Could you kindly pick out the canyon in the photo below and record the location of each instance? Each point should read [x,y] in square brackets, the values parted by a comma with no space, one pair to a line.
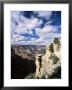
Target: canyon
[41,60]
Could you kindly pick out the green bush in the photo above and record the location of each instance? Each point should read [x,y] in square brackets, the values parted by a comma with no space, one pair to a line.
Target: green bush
[30,76]
[56,40]
[55,60]
[51,48]
[55,75]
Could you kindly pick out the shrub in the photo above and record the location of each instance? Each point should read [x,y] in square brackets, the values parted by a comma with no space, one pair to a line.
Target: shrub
[30,76]
[56,74]
[56,41]
[51,48]
[54,59]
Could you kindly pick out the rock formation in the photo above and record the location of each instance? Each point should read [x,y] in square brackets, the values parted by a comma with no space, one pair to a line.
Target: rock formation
[50,60]
[25,54]
[57,47]
[38,65]
[21,67]
[42,61]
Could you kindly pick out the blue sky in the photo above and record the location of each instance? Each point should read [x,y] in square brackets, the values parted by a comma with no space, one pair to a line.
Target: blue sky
[35,27]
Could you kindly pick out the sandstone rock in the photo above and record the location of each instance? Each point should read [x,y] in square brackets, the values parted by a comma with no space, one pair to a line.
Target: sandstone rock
[50,60]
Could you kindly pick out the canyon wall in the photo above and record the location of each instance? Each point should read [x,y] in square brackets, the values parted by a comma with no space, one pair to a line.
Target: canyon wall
[50,60]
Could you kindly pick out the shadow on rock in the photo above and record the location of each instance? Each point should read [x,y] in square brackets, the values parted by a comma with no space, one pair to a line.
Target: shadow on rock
[20,67]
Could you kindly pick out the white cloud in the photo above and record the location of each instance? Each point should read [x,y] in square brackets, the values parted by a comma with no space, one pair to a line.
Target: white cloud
[31,23]
[49,22]
[46,14]
[47,34]
[21,29]
[13,27]
[26,25]
[17,37]
[58,35]
[48,29]
[33,39]
[15,16]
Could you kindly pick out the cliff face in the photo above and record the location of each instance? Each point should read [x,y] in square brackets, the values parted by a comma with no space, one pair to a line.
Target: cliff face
[21,67]
[50,61]
[25,54]
[43,61]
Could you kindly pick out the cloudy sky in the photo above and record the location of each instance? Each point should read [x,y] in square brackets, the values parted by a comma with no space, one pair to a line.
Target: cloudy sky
[35,27]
